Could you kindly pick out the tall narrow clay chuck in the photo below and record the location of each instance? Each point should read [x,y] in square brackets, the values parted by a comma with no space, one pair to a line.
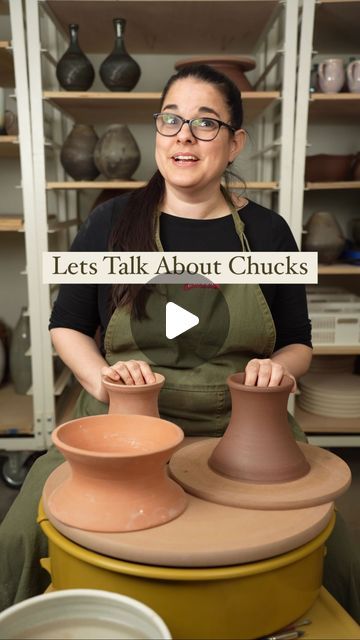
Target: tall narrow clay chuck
[258,445]
[139,399]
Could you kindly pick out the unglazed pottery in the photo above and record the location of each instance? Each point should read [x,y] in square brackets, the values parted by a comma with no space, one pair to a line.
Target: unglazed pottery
[117,155]
[258,444]
[77,153]
[331,75]
[11,123]
[118,478]
[324,235]
[231,66]
[328,168]
[74,70]
[140,399]
[119,71]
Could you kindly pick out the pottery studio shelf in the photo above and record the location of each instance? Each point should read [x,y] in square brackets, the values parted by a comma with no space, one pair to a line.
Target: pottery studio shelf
[7,78]
[101,107]
[137,184]
[16,412]
[339,269]
[313,423]
[9,146]
[11,223]
[345,184]
[333,106]
[336,29]
[153,26]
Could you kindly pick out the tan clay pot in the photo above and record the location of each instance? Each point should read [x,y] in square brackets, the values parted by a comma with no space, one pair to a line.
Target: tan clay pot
[119,480]
[231,66]
[258,445]
[134,399]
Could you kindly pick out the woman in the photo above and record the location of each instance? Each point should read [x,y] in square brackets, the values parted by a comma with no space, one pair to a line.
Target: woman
[183,208]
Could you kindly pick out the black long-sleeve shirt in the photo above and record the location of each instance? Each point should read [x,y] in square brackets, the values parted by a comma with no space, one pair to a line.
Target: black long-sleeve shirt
[84,307]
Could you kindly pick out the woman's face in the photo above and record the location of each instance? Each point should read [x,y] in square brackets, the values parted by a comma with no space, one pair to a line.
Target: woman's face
[184,161]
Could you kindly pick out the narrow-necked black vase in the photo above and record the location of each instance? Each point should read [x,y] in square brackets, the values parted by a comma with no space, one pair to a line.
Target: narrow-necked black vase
[74,70]
[119,71]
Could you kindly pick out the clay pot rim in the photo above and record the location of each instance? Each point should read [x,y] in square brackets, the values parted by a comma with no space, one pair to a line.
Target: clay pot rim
[114,455]
[244,63]
[133,388]
[233,382]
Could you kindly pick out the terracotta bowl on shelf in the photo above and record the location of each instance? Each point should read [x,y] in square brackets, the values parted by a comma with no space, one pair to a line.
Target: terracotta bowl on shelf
[231,66]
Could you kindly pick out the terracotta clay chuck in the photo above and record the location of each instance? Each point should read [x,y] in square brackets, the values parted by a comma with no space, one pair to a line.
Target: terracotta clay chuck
[258,445]
[138,399]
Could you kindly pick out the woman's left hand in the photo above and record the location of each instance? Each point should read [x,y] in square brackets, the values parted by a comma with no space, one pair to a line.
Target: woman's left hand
[266,373]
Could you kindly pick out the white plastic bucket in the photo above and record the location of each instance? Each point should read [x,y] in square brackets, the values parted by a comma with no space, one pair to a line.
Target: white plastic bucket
[81,613]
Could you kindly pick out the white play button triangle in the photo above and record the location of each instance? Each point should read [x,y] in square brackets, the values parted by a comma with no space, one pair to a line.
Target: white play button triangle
[178,320]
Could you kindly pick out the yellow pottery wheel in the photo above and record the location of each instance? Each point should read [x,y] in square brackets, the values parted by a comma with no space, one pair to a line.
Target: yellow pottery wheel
[240,602]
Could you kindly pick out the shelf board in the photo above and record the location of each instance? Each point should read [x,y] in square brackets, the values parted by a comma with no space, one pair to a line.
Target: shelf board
[7,77]
[158,26]
[345,184]
[312,423]
[16,412]
[336,27]
[11,223]
[336,350]
[329,106]
[339,269]
[137,184]
[9,146]
[100,107]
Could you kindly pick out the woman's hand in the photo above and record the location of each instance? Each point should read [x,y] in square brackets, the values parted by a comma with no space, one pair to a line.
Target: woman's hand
[130,372]
[266,373]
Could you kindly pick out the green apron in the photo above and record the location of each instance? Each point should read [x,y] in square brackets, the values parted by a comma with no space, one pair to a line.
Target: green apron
[198,399]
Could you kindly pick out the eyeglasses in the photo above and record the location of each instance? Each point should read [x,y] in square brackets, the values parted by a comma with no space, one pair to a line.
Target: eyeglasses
[169,124]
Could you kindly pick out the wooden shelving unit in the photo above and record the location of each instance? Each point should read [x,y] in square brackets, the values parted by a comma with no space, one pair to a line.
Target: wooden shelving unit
[160,26]
[346,185]
[334,105]
[339,269]
[137,184]
[16,412]
[7,78]
[9,146]
[135,107]
[336,350]
[11,223]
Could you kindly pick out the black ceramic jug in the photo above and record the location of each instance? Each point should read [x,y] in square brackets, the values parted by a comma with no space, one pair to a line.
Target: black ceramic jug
[119,71]
[74,70]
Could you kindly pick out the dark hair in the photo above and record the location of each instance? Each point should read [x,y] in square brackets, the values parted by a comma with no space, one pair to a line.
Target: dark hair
[135,229]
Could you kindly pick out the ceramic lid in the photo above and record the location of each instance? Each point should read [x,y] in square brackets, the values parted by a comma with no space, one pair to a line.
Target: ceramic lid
[206,534]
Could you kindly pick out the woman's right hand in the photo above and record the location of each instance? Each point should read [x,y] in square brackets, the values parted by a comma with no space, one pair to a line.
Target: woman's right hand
[129,372]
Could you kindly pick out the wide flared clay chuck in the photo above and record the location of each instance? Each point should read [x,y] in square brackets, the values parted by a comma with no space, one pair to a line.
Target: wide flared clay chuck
[258,445]
[118,479]
[140,399]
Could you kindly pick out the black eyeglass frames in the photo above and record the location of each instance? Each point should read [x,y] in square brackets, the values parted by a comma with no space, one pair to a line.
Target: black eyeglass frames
[169,124]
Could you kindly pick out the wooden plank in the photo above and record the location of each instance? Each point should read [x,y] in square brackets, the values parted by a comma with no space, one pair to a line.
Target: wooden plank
[163,26]
[7,77]
[349,184]
[312,423]
[137,184]
[9,146]
[331,106]
[16,412]
[100,107]
[336,350]
[11,223]
[339,269]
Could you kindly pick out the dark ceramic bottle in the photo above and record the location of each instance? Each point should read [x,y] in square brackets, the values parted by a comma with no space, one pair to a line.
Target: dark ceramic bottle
[117,155]
[74,70]
[119,71]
